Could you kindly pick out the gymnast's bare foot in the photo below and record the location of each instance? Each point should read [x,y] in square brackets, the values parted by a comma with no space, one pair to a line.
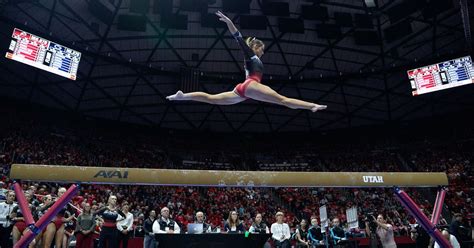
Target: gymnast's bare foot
[176,97]
[318,107]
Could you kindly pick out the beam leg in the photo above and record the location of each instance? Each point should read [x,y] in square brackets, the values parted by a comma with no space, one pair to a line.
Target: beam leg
[413,208]
[435,208]
[438,207]
[45,219]
[24,205]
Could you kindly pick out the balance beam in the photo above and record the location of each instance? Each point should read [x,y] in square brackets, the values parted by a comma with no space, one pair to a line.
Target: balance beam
[140,176]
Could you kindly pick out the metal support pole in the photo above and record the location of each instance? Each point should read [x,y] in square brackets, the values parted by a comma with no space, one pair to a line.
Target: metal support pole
[24,205]
[326,237]
[438,207]
[49,215]
[414,209]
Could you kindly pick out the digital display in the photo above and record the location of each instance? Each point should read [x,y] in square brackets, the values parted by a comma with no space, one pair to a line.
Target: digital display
[43,54]
[444,75]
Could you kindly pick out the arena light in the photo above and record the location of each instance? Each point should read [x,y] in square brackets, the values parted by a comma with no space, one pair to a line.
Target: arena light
[43,54]
[441,76]
[370,3]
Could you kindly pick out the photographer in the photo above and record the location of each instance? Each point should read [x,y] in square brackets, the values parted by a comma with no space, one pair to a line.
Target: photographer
[455,226]
[383,230]
[420,236]
[461,230]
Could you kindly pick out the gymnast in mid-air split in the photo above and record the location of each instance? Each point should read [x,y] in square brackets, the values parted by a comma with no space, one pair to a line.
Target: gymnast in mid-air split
[251,87]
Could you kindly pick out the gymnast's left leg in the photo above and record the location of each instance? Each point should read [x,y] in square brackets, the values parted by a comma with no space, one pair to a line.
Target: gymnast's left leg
[264,93]
[225,98]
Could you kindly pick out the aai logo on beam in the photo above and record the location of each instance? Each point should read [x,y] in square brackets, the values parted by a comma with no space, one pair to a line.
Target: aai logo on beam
[111,174]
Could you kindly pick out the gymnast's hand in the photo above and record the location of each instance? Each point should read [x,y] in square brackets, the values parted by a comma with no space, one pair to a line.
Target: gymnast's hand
[223,17]
[228,21]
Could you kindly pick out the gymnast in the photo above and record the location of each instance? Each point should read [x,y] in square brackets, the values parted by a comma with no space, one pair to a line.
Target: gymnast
[251,87]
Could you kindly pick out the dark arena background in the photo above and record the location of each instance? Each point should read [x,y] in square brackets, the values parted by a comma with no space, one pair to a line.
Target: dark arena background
[104,141]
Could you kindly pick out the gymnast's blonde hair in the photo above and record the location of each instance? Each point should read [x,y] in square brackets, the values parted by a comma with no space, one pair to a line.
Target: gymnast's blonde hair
[253,42]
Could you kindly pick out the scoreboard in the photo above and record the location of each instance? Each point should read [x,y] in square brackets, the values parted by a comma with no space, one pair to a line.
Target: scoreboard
[43,54]
[444,75]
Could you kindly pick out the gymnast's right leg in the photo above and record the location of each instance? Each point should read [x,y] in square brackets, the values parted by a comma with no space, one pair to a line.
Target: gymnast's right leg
[226,98]
[264,93]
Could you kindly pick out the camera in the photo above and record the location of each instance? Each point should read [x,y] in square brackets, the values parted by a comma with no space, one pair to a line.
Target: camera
[370,219]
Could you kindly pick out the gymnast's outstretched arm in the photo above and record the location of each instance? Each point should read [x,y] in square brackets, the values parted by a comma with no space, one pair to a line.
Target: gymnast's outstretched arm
[227,21]
[237,35]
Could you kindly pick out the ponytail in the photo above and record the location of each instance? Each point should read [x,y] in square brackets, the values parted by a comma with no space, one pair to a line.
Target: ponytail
[253,42]
[249,41]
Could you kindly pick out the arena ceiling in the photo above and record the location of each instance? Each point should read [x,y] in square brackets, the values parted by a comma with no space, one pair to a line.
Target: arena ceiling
[346,54]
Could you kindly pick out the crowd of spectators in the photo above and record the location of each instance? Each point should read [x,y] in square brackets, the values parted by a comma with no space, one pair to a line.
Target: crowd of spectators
[35,142]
